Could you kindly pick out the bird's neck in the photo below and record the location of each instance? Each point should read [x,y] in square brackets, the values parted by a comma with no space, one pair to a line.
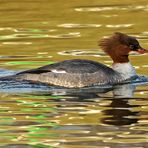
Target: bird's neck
[125,69]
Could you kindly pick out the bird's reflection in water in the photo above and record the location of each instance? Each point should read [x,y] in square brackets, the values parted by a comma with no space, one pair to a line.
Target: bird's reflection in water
[119,111]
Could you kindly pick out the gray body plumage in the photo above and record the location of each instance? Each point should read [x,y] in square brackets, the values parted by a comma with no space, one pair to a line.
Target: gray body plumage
[72,73]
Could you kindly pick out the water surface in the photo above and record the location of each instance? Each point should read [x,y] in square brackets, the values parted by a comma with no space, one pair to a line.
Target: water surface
[39,32]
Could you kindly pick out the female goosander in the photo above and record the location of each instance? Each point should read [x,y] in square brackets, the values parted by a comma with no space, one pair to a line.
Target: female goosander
[81,73]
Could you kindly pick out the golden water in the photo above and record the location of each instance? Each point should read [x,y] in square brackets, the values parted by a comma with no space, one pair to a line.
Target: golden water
[37,32]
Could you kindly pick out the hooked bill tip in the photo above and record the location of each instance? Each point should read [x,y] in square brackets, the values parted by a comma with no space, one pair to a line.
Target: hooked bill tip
[142,51]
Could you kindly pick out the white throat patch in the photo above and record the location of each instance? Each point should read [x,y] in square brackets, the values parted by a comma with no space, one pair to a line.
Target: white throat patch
[125,69]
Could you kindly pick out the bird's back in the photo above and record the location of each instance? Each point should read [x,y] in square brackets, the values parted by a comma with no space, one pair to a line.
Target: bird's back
[72,73]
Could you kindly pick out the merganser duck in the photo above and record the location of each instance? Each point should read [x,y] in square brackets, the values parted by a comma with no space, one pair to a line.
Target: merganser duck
[79,73]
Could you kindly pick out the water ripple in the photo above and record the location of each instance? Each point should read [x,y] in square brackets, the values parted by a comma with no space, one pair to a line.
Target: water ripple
[34,30]
[110,15]
[95,25]
[110,7]
[17,43]
[119,26]
[68,35]
[15,57]
[142,35]
[79,25]
[29,35]
[82,52]
[31,30]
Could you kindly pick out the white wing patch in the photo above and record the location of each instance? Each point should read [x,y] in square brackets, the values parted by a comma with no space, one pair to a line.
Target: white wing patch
[58,71]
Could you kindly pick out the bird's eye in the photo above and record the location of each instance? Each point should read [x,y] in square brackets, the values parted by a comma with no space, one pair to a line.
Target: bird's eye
[133,47]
